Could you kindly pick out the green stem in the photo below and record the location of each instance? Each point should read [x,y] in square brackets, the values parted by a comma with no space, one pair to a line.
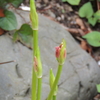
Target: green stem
[54,97]
[34,77]
[35,41]
[39,88]
[34,81]
[55,82]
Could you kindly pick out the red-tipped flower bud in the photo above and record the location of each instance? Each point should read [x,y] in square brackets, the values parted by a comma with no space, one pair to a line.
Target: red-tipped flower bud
[61,52]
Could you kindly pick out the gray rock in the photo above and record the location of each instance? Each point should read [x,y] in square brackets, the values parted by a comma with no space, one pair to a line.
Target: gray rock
[80,72]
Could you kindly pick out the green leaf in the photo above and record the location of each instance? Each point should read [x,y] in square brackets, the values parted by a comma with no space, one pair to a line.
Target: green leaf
[97,14]
[16,3]
[92,20]
[8,22]
[86,10]
[24,34]
[93,38]
[26,29]
[25,38]
[98,21]
[15,36]
[9,1]
[3,3]
[98,88]
[72,2]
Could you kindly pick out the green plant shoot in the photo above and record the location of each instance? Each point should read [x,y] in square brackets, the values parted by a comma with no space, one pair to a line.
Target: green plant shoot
[51,81]
[61,56]
[37,70]
[33,15]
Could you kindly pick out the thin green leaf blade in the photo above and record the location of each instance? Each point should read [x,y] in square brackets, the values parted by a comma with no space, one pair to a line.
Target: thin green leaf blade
[93,38]
[8,22]
[86,10]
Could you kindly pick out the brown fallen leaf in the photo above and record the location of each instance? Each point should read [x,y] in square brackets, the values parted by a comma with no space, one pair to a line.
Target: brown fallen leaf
[76,32]
[1,31]
[1,15]
[98,4]
[2,12]
[86,32]
[97,97]
[80,23]
[84,45]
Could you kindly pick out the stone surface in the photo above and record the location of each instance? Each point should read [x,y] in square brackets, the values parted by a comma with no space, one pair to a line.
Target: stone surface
[80,72]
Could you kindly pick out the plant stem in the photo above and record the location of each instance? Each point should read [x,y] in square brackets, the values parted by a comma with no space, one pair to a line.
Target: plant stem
[35,41]
[54,97]
[39,88]
[34,78]
[55,82]
[34,81]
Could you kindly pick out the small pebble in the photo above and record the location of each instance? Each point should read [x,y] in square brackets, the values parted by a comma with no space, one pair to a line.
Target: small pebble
[69,18]
[62,17]
[39,1]
[38,5]
[45,1]
[59,18]
[99,62]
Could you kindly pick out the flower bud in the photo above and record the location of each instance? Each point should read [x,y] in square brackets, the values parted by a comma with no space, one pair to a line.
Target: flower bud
[37,63]
[61,52]
[37,67]
[33,15]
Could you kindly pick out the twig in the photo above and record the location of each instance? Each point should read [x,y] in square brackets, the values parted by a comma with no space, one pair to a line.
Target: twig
[20,15]
[97,5]
[79,38]
[7,62]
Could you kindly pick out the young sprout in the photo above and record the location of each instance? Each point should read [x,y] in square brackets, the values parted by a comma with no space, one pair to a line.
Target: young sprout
[37,70]
[51,81]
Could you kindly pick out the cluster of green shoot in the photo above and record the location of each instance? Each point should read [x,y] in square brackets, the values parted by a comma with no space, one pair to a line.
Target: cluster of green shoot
[60,54]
